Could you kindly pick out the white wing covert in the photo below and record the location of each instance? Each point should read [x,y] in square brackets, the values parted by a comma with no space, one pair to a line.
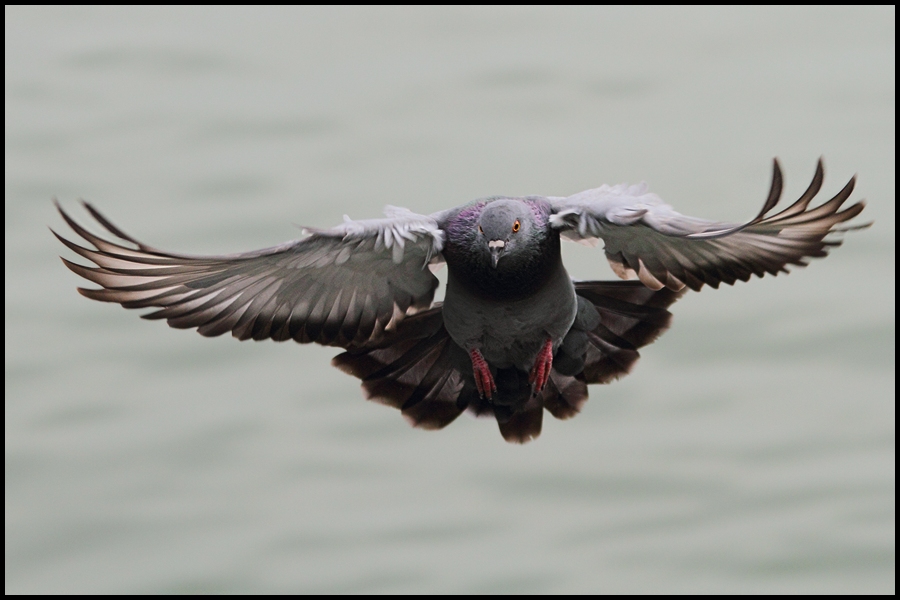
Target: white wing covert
[339,287]
[645,238]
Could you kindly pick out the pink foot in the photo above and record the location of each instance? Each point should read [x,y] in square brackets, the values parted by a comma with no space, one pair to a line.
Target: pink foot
[540,372]
[483,380]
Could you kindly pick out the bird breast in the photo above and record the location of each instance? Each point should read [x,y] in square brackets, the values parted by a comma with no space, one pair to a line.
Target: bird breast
[510,332]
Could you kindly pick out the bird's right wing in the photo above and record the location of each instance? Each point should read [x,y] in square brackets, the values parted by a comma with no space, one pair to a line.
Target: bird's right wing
[645,238]
[340,287]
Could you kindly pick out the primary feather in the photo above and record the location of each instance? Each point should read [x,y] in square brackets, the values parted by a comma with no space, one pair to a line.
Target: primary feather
[646,239]
[341,287]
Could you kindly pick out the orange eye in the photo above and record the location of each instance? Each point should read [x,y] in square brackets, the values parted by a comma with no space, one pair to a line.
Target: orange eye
[516,226]
[480,230]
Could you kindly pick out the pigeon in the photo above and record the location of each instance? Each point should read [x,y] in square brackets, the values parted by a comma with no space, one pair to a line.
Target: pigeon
[514,334]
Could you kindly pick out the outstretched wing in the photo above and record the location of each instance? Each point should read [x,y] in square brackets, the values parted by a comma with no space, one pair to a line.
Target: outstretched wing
[646,238]
[339,287]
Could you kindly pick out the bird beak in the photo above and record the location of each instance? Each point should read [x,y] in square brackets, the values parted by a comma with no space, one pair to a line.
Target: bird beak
[496,247]
[495,256]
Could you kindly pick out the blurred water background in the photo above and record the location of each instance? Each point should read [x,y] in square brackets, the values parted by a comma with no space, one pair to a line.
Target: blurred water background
[751,450]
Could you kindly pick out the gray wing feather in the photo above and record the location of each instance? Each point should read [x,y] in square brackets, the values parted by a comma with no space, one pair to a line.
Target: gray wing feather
[341,287]
[647,239]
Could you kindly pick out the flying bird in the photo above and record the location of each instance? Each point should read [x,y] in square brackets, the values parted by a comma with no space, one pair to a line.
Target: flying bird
[514,335]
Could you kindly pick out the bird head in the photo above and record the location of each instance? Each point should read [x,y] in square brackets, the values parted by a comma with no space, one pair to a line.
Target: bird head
[504,227]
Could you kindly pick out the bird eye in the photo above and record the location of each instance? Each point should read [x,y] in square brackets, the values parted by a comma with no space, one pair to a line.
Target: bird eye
[516,226]
[480,230]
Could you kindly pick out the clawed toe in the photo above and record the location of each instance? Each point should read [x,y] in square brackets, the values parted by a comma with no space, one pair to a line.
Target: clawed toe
[484,381]
[540,372]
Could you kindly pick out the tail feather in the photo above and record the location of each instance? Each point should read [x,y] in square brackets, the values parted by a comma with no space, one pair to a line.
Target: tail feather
[564,395]
[631,316]
[433,404]
[411,369]
[524,424]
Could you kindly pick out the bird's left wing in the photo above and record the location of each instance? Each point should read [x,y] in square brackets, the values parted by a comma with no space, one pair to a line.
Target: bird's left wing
[645,238]
[341,287]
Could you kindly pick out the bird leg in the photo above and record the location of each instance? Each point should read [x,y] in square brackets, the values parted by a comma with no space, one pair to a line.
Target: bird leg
[540,372]
[483,379]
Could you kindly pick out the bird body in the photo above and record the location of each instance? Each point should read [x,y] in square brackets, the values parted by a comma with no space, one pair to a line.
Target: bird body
[506,301]
[514,335]
[511,333]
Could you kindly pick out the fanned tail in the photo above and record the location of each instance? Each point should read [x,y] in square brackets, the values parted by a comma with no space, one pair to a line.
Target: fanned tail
[419,370]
